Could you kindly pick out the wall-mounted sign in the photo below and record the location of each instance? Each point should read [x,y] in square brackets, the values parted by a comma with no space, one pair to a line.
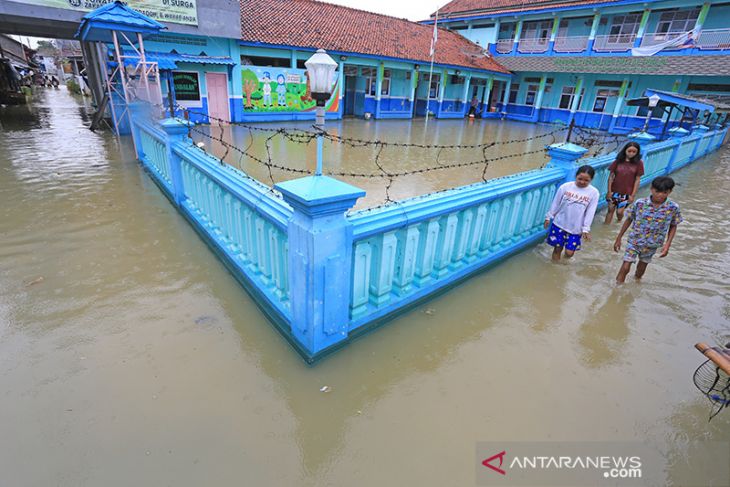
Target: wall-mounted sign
[175,11]
[274,89]
[187,86]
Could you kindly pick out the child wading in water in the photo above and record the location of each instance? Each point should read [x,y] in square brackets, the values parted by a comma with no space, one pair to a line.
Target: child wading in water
[654,218]
[623,180]
[572,213]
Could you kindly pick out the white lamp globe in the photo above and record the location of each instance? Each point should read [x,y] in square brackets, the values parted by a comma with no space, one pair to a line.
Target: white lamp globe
[320,70]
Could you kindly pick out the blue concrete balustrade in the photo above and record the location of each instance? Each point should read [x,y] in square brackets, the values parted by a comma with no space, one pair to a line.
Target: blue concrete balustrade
[325,275]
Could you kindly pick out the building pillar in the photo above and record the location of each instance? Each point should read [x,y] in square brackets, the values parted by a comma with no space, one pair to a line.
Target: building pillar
[320,260]
[442,90]
[487,95]
[293,59]
[539,97]
[505,100]
[574,104]
[378,88]
[465,97]
[642,27]
[414,85]
[594,30]
[701,17]
[518,33]
[341,85]
[619,104]
[553,35]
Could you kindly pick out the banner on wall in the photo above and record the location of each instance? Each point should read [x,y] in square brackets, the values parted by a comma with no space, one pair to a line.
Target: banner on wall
[187,86]
[271,90]
[175,11]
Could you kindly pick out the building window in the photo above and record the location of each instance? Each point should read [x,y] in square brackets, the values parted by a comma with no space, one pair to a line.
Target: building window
[677,22]
[539,29]
[712,88]
[271,62]
[530,96]
[385,87]
[566,98]
[370,75]
[434,88]
[602,96]
[513,91]
[624,27]
[657,112]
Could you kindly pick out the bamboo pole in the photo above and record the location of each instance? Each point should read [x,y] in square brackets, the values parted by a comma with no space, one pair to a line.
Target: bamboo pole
[718,357]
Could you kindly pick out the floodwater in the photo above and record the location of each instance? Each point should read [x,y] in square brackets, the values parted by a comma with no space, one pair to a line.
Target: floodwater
[130,356]
[424,163]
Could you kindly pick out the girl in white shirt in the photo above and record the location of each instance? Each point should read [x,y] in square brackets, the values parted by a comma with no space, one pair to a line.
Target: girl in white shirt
[572,214]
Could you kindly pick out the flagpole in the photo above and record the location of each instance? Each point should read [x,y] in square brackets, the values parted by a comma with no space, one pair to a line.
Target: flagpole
[430,72]
[428,100]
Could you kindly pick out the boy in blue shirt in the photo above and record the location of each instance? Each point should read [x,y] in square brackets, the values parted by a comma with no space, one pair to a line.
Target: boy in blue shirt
[653,222]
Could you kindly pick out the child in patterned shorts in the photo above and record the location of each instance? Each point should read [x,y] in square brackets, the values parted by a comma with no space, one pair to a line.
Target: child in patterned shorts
[653,222]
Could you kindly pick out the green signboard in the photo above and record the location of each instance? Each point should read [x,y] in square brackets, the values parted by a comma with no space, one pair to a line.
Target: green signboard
[175,11]
[187,86]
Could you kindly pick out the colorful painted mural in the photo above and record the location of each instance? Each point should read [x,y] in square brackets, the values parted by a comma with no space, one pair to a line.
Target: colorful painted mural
[268,90]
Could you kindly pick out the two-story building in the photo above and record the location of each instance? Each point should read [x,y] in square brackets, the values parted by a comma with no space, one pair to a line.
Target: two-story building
[582,60]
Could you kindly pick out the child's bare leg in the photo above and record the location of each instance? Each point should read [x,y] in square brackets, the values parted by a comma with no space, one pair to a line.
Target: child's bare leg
[620,213]
[640,269]
[569,253]
[609,213]
[556,253]
[623,272]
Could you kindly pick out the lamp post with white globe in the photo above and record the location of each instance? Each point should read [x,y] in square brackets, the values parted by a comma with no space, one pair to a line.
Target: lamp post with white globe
[320,71]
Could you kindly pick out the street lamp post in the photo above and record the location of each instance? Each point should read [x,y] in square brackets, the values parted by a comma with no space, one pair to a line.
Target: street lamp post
[653,102]
[320,71]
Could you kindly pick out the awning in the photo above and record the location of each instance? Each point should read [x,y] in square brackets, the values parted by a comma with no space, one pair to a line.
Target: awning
[667,98]
[169,60]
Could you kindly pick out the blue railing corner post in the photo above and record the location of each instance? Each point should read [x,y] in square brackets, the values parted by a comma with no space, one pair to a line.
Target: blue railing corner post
[176,130]
[320,259]
[564,156]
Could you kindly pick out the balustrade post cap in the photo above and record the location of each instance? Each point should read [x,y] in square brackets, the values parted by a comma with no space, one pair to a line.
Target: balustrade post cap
[641,137]
[566,150]
[678,132]
[319,195]
[175,126]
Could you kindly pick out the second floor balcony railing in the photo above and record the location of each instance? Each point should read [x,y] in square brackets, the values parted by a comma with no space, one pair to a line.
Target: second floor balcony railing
[504,46]
[714,39]
[533,45]
[614,43]
[655,38]
[571,44]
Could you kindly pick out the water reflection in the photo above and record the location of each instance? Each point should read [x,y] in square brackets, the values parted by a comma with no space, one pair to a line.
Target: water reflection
[138,357]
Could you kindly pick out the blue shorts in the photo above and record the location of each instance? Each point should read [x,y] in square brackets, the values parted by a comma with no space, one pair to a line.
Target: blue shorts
[643,255]
[557,237]
[619,200]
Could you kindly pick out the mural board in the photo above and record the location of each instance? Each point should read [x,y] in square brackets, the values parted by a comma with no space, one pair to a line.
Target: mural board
[176,11]
[271,90]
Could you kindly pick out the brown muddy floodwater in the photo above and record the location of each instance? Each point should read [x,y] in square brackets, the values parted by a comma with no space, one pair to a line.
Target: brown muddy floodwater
[517,147]
[129,356]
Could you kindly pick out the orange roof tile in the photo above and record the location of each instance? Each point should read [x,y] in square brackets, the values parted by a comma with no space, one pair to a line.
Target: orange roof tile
[314,24]
[468,8]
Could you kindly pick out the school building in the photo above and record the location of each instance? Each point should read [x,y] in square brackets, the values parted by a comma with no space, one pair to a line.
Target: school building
[582,60]
[384,66]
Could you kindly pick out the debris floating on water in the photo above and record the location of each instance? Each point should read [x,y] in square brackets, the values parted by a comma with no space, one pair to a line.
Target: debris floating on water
[430,311]
[325,389]
[38,280]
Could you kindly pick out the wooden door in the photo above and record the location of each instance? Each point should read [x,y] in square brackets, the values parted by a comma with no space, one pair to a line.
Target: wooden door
[217,96]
